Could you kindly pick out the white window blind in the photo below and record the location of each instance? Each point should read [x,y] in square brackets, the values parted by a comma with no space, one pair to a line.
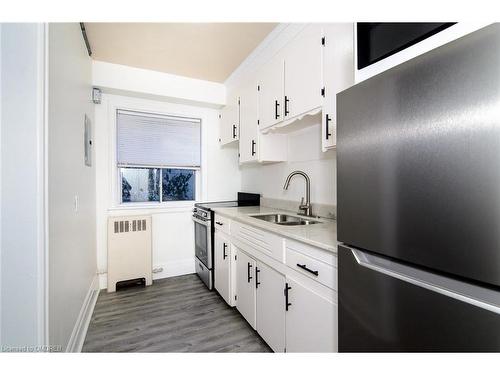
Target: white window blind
[155,140]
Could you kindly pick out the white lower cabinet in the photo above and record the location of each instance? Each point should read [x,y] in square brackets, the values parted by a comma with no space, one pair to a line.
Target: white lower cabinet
[223,274]
[288,298]
[260,299]
[270,306]
[245,288]
[311,320]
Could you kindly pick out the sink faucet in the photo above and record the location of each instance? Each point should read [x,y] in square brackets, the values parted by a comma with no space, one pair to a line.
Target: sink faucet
[304,206]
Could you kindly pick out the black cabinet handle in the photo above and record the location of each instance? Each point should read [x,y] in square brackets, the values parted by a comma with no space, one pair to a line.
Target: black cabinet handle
[304,267]
[248,271]
[253,147]
[257,277]
[276,105]
[224,247]
[219,223]
[234,131]
[287,288]
[286,105]
[328,119]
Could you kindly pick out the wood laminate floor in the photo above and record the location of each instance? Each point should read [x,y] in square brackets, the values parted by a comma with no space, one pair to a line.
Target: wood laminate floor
[177,314]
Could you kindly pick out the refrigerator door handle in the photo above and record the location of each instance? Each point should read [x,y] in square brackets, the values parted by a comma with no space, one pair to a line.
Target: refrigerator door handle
[479,296]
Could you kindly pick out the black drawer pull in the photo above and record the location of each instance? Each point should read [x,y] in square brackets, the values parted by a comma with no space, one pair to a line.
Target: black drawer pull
[248,272]
[304,267]
[287,112]
[276,105]
[328,119]
[287,288]
[257,283]
[219,223]
[224,247]
[253,147]
[234,131]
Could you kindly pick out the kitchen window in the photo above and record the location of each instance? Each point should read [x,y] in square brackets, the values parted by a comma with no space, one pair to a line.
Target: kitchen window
[158,157]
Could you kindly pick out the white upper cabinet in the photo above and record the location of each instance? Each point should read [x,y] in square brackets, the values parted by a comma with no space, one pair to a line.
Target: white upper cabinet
[249,127]
[255,146]
[303,72]
[271,85]
[338,74]
[302,78]
[230,120]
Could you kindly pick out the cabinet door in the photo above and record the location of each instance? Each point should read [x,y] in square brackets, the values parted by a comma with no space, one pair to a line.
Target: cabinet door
[222,266]
[269,285]
[311,320]
[249,116]
[338,74]
[245,287]
[271,92]
[230,120]
[303,72]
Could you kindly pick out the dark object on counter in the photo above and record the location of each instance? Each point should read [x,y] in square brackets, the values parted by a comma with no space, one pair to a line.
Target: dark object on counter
[248,199]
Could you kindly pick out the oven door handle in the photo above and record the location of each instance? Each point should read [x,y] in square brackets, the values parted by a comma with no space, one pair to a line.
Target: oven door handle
[202,222]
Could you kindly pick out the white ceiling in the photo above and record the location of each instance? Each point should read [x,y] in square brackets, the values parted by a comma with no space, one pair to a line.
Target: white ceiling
[208,51]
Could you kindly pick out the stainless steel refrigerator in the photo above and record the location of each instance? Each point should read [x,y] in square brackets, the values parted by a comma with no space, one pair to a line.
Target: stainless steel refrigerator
[418,174]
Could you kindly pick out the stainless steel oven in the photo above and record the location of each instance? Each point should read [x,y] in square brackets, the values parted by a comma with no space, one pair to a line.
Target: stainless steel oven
[204,232]
[203,245]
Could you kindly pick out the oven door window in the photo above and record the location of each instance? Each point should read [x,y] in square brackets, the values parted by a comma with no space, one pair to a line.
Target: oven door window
[201,242]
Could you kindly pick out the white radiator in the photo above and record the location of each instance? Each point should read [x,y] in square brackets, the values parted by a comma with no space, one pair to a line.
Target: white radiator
[129,249]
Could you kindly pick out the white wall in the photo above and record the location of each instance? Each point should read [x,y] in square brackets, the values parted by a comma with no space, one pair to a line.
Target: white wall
[72,239]
[173,238]
[304,153]
[22,196]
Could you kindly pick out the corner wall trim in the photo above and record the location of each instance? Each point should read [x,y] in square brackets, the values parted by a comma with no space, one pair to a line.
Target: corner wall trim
[77,337]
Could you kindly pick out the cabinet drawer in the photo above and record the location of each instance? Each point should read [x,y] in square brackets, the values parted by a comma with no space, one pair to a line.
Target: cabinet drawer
[263,241]
[223,224]
[314,268]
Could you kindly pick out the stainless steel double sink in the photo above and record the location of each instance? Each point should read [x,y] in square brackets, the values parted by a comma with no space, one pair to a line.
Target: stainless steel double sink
[284,219]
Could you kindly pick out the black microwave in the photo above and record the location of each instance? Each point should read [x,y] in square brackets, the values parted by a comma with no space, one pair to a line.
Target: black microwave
[378,40]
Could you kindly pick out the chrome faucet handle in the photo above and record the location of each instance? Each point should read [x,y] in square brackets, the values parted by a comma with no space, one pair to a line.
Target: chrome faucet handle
[302,202]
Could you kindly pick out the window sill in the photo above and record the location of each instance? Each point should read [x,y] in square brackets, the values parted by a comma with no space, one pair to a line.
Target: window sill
[154,207]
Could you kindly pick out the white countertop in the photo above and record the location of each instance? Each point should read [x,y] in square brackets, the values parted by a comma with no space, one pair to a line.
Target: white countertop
[322,235]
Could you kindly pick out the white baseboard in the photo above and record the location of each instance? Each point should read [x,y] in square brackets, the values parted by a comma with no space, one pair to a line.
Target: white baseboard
[170,269]
[77,337]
